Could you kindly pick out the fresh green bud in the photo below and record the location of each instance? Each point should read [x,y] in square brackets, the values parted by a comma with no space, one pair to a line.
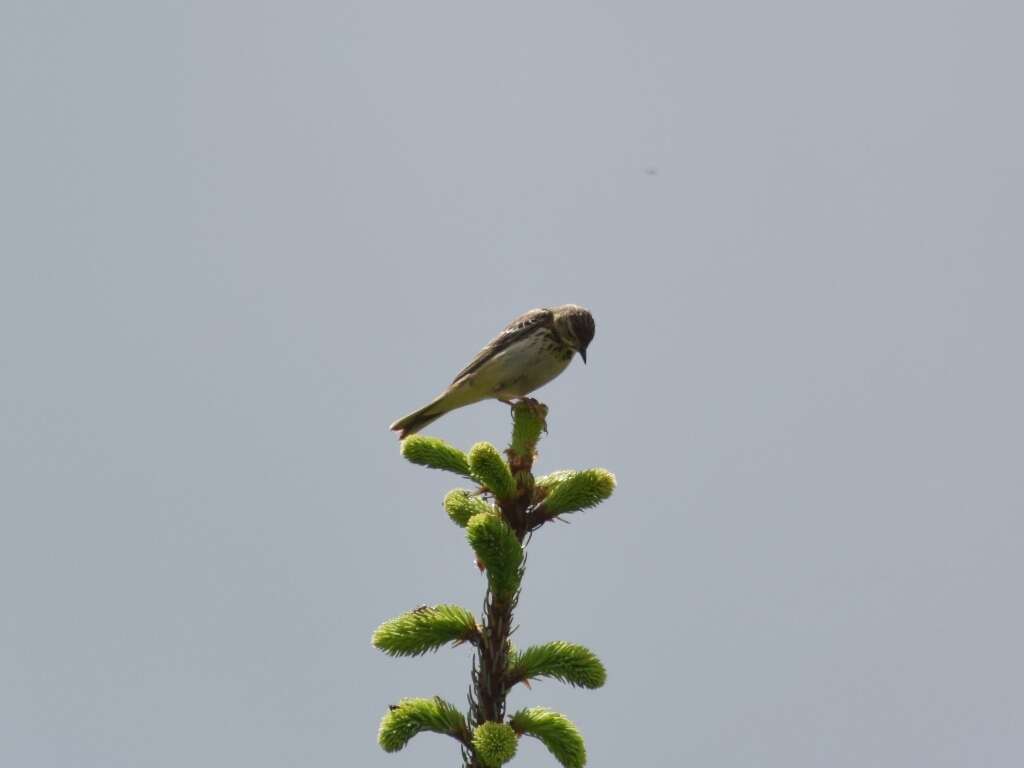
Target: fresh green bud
[436,454]
[571,491]
[546,482]
[500,552]
[461,505]
[412,716]
[528,421]
[568,662]
[491,471]
[425,629]
[555,731]
[495,743]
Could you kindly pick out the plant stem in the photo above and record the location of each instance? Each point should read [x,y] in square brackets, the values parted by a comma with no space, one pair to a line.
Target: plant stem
[490,680]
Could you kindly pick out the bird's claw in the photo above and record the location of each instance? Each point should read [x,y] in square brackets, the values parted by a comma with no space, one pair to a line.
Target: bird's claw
[535,406]
[539,410]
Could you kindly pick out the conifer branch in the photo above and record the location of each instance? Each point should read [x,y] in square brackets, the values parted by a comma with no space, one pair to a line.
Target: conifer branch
[436,454]
[426,629]
[498,533]
[566,491]
[491,471]
[568,662]
[500,552]
[412,716]
[555,731]
[529,420]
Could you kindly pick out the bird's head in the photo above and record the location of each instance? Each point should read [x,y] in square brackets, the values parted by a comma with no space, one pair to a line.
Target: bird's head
[575,327]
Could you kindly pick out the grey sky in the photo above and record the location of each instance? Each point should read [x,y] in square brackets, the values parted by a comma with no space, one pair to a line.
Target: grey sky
[240,239]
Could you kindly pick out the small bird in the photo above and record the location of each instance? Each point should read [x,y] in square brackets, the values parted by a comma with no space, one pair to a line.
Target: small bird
[531,351]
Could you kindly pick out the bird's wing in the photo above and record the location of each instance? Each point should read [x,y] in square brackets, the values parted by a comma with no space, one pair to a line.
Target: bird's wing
[511,333]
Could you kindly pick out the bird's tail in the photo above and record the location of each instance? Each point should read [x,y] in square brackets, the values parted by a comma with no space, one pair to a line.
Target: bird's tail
[417,420]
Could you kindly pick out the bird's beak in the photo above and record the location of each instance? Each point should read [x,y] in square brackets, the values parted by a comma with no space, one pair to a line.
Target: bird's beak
[583,354]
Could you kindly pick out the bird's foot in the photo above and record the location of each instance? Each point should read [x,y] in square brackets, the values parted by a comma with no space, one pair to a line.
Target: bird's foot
[537,408]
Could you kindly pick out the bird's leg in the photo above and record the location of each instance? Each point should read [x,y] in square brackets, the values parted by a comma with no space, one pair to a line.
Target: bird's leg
[510,402]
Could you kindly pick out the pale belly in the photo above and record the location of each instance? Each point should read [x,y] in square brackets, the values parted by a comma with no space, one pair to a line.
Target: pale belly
[515,372]
[519,371]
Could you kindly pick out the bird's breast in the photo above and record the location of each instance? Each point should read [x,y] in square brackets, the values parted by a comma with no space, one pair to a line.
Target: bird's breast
[529,365]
